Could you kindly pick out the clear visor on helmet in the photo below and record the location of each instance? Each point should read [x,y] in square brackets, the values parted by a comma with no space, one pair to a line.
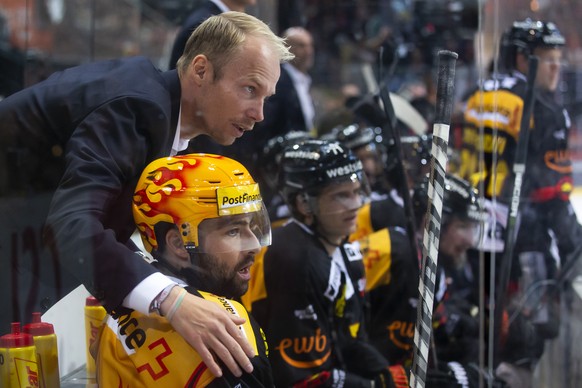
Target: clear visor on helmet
[344,195]
[471,230]
[477,233]
[476,218]
[465,228]
[242,225]
[235,233]
[459,232]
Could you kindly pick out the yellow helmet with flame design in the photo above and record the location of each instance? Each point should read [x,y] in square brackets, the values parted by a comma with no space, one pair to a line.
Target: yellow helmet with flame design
[186,190]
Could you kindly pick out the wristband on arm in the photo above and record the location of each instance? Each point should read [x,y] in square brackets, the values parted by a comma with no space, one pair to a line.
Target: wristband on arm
[176,304]
[157,302]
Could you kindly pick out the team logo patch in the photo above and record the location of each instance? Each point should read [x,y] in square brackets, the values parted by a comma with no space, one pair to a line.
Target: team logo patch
[305,352]
[238,199]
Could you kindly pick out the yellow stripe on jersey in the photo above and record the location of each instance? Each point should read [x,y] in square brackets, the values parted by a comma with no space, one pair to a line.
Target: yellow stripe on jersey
[377,251]
[237,309]
[363,223]
[354,329]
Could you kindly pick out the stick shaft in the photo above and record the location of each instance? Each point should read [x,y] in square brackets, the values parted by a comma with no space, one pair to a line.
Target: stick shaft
[518,171]
[430,243]
[404,190]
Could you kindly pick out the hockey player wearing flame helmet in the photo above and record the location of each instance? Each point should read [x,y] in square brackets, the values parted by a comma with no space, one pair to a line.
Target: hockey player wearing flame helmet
[186,190]
[202,219]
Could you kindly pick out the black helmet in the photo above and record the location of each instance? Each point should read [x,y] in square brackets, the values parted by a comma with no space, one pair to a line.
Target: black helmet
[460,199]
[527,35]
[416,155]
[271,154]
[310,165]
[353,136]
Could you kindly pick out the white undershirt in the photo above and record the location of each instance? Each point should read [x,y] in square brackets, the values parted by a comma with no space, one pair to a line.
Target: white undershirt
[302,83]
[179,144]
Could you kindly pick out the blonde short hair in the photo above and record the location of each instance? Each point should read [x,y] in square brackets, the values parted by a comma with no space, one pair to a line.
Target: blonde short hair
[221,36]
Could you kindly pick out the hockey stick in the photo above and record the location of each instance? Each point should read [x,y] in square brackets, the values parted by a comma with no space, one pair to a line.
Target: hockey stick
[403,110]
[518,170]
[390,133]
[390,130]
[430,241]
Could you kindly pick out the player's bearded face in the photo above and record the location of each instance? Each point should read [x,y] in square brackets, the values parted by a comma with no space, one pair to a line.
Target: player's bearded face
[225,275]
[226,251]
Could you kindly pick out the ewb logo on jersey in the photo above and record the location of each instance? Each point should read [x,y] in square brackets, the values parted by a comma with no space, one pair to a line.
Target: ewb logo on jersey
[305,352]
[401,334]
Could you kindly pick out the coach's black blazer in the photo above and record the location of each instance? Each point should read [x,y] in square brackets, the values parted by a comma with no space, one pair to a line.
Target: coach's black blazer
[85,134]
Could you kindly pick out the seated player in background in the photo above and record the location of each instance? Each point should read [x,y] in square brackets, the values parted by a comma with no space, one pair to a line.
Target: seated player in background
[311,301]
[456,326]
[268,166]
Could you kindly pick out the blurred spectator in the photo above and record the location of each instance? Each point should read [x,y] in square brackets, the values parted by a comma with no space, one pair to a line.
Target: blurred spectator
[290,13]
[198,15]
[12,63]
[291,108]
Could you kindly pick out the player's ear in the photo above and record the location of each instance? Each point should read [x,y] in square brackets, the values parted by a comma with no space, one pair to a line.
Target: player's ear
[521,62]
[303,204]
[175,245]
[304,208]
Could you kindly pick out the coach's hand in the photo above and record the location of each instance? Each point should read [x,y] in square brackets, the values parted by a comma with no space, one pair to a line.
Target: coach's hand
[211,331]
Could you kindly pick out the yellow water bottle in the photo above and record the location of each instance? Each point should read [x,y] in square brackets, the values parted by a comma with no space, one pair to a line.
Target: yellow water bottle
[18,364]
[4,367]
[95,315]
[47,355]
